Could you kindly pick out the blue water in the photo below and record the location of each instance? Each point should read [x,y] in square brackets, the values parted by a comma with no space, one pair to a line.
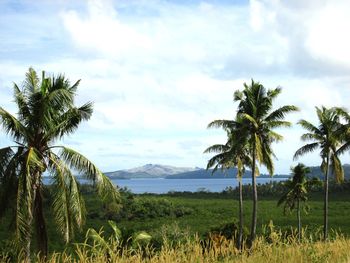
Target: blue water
[160,186]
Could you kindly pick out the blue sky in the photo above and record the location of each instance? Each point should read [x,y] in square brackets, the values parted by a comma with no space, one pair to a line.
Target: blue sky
[160,71]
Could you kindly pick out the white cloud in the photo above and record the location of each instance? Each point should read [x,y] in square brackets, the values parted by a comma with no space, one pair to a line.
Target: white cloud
[328,36]
[102,31]
[160,71]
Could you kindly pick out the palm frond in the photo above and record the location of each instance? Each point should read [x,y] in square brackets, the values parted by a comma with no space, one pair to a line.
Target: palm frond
[217,148]
[250,119]
[337,168]
[25,198]
[11,125]
[225,124]
[267,160]
[312,137]
[79,162]
[23,109]
[280,113]
[275,137]
[278,124]
[305,149]
[258,148]
[69,121]
[68,205]
[309,127]
[8,178]
[31,82]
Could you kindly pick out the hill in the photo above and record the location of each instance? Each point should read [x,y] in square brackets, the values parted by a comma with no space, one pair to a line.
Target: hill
[207,174]
[231,173]
[172,172]
[316,172]
[149,171]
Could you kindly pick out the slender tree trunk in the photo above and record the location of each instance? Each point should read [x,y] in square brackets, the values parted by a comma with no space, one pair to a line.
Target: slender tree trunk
[299,220]
[325,208]
[40,224]
[240,235]
[255,200]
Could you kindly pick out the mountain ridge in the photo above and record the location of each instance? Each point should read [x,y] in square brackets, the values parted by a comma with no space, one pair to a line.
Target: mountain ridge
[173,172]
[150,171]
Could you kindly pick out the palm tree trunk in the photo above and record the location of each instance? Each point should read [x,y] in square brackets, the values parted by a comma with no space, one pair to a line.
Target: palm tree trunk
[299,220]
[255,199]
[325,208]
[40,224]
[27,248]
[240,236]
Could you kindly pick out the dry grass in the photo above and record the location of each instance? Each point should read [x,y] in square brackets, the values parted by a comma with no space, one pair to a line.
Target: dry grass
[192,251]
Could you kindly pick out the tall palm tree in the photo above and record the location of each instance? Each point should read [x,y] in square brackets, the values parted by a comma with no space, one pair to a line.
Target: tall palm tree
[296,192]
[235,153]
[46,113]
[255,108]
[327,136]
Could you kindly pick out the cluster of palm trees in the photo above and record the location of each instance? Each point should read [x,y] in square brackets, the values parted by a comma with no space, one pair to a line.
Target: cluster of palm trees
[252,131]
[46,113]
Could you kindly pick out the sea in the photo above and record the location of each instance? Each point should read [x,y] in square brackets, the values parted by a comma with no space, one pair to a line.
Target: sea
[162,186]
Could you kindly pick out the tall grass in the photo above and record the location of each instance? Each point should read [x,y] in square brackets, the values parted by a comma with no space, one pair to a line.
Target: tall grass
[217,249]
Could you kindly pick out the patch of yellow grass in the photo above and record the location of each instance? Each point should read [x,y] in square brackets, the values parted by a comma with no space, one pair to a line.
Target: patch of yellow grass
[192,251]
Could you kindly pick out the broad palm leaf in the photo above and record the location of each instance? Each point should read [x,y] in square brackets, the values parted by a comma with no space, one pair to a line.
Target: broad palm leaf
[328,136]
[255,108]
[46,113]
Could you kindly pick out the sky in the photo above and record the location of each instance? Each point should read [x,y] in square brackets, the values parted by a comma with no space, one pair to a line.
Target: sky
[159,71]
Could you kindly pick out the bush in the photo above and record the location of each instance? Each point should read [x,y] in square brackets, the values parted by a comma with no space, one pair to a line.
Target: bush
[132,207]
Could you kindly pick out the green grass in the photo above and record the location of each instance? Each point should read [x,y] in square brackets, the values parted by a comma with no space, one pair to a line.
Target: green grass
[209,210]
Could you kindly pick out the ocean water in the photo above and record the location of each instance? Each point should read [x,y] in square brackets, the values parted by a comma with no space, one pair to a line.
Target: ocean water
[160,186]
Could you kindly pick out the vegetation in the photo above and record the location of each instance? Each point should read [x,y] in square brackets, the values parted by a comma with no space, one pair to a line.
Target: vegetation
[297,192]
[258,121]
[192,250]
[328,136]
[46,113]
[211,217]
[184,226]
[235,153]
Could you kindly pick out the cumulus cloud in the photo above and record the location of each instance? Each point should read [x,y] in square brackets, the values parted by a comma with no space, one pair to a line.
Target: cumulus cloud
[160,71]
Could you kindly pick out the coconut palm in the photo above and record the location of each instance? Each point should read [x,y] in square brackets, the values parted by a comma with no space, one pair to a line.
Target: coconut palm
[296,192]
[327,137]
[46,113]
[255,108]
[235,153]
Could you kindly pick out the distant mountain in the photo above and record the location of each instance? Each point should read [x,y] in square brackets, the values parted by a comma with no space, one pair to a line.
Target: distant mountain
[172,172]
[231,173]
[207,174]
[150,171]
[316,172]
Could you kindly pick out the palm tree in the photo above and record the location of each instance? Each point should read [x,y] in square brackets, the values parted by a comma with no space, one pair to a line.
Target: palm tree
[260,120]
[296,192]
[46,113]
[328,137]
[235,153]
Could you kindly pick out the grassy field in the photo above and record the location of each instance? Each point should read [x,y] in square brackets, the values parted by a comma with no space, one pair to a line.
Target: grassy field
[212,210]
[199,213]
